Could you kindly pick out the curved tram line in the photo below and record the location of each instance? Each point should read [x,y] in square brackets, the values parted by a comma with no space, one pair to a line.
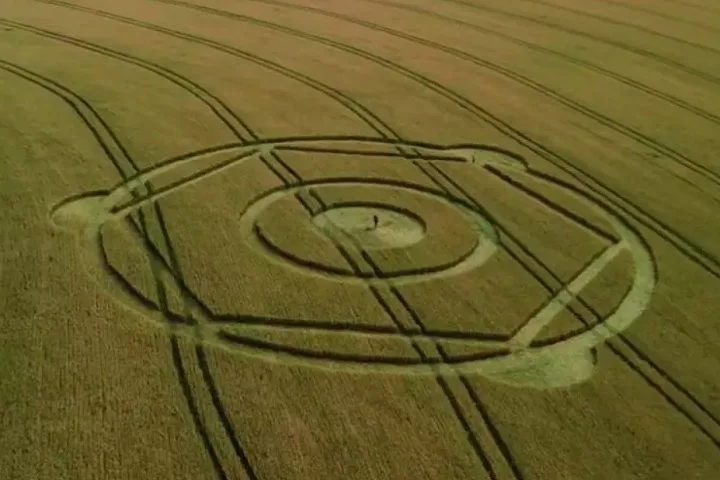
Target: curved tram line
[695,5]
[691,251]
[124,164]
[624,130]
[655,13]
[581,62]
[596,38]
[95,123]
[614,21]
[221,111]
[668,387]
[127,168]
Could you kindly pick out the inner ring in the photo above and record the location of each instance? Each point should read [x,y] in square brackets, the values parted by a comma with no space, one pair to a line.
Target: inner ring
[485,247]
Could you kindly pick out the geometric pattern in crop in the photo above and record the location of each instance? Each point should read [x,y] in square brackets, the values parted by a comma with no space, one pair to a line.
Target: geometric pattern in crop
[356,228]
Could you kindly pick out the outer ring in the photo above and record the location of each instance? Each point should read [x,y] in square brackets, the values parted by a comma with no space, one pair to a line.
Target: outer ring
[110,207]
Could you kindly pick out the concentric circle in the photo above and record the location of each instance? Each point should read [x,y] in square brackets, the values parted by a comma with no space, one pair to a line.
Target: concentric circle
[484,230]
[563,358]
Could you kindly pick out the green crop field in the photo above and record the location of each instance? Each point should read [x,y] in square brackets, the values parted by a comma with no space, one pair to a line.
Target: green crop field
[359,239]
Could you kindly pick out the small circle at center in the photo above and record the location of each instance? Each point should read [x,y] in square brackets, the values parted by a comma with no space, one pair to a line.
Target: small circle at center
[371,227]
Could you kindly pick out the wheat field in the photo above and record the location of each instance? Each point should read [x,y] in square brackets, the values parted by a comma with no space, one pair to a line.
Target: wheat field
[359,239]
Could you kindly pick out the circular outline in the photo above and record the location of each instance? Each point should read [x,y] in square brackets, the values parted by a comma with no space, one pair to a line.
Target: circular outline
[627,311]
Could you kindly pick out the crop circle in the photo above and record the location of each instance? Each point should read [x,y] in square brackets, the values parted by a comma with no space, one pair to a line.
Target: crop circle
[512,360]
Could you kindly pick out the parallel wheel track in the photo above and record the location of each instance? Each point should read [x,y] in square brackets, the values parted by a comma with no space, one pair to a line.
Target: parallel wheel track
[596,38]
[232,121]
[630,6]
[370,118]
[693,252]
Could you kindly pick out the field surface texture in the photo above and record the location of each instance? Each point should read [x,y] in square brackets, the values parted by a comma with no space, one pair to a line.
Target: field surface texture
[359,239]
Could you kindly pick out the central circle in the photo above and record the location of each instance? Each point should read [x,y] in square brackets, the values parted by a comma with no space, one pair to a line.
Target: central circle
[371,227]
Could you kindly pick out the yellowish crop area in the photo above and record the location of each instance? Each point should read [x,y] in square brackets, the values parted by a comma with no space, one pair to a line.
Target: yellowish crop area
[360,239]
